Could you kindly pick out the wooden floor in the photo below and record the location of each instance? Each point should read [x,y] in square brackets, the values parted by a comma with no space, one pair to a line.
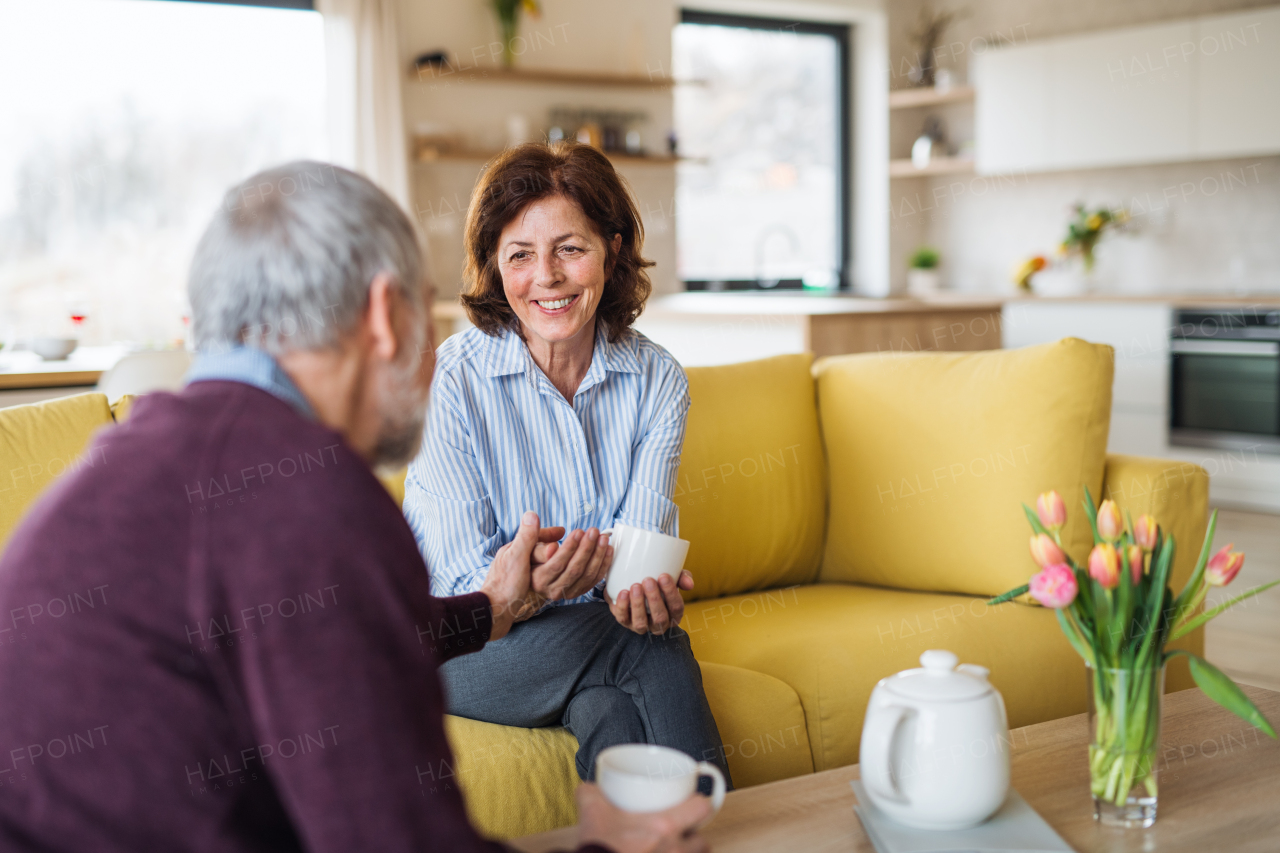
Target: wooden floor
[1244,642]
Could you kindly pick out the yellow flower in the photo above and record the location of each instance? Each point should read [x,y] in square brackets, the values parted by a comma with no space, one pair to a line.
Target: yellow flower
[1094,223]
[532,7]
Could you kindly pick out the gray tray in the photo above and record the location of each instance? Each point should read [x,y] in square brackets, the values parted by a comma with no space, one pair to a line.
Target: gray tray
[1016,828]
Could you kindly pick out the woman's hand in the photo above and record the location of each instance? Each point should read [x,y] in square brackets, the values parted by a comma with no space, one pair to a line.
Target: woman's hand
[670,831]
[653,606]
[590,561]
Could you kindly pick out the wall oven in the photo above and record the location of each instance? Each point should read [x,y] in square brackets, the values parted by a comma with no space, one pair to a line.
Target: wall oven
[1225,378]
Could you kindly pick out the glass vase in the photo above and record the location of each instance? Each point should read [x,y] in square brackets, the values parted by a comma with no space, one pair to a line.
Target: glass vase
[1124,747]
[509,26]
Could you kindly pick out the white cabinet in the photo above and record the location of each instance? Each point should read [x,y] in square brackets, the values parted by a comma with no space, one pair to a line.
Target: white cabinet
[1011,112]
[1194,89]
[1120,97]
[1237,88]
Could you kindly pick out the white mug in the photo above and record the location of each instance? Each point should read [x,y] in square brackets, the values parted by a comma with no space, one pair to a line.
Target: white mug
[639,777]
[640,554]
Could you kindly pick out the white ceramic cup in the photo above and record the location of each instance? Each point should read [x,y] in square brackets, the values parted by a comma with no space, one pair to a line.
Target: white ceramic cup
[640,554]
[639,777]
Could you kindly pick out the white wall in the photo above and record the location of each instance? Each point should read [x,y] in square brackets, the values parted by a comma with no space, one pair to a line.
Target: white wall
[1203,227]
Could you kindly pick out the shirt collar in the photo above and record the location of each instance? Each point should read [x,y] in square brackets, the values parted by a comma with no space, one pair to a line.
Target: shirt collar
[252,367]
[508,354]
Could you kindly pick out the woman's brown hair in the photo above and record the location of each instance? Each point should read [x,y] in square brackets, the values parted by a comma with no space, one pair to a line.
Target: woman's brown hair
[533,171]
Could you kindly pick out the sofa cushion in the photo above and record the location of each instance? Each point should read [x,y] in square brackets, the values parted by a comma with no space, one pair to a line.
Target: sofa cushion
[39,443]
[931,454]
[517,781]
[832,642]
[393,482]
[121,408]
[751,487]
[761,724]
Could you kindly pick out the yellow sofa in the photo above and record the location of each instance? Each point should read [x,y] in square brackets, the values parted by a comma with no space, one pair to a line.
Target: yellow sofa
[843,517]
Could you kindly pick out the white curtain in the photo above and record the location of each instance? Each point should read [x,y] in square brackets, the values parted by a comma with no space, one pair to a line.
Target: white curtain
[366,120]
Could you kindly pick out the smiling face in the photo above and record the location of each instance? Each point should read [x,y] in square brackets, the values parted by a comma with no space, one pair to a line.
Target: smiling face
[554,266]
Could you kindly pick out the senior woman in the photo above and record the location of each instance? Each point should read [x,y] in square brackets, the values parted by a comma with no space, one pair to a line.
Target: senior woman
[554,404]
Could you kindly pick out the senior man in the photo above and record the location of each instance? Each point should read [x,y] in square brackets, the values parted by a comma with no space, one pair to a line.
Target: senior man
[260,672]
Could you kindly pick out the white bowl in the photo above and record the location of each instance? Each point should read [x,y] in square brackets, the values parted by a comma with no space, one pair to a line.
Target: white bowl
[53,349]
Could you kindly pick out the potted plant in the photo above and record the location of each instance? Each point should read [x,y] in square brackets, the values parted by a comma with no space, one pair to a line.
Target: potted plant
[1088,227]
[922,271]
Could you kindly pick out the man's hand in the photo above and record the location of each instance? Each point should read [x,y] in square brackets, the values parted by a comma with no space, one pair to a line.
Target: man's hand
[671,831]
[532,569]
[507,584]
[653,606]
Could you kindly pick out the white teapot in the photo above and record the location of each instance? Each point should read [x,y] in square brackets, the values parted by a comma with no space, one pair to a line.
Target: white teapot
[935,745]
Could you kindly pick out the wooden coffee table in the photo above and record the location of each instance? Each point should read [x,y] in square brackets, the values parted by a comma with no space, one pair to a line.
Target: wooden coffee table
[1219,790]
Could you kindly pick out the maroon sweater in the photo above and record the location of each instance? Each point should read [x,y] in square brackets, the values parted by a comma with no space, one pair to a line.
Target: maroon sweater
[220,637]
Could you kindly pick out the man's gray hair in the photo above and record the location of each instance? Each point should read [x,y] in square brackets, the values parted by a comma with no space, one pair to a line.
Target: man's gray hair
[287,261]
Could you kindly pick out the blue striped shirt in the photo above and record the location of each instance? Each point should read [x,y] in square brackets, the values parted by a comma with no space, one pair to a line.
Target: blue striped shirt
[501,440]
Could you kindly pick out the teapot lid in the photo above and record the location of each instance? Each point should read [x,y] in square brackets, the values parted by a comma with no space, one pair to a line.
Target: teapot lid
[939,679]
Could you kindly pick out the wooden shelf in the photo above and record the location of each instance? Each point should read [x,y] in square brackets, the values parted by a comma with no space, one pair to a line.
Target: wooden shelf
[937,166]
[928,97]
[490,74]
[484,156]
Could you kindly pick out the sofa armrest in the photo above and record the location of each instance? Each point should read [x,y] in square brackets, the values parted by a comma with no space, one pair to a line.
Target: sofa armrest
[1177,494]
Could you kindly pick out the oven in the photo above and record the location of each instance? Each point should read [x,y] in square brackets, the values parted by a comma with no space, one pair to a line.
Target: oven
[1225,378]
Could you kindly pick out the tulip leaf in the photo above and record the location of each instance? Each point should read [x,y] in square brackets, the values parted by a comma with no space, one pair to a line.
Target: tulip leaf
[1189,591]
[1091,512]
[1010,595]
[1209,614]
[1156,598]
[1074,635]
[1221,689]
[1035,520]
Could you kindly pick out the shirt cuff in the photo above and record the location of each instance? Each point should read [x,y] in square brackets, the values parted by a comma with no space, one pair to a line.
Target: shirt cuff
[462,625]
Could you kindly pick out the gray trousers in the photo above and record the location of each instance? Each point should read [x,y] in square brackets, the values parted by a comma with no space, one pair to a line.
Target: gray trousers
[575,666]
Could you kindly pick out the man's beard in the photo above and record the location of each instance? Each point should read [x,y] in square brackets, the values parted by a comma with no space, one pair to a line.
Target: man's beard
[406,415]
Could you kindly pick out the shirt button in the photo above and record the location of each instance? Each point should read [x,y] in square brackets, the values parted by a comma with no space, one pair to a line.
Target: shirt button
[587,507]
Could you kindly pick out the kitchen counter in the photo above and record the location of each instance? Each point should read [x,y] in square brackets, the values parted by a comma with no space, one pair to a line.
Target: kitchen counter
[815,304]
[1177,300]
[23,369]
[722,328]
[702,328]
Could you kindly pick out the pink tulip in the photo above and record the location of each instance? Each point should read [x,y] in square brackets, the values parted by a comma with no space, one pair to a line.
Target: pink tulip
[1144,532]
[1104,565]
[1052,511]
[1045,551]
[1054,586]
[1224,566]
[1110,524]
[1134,555]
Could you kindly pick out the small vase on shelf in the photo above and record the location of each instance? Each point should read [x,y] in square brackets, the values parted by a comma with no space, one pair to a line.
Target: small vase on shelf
[508,13]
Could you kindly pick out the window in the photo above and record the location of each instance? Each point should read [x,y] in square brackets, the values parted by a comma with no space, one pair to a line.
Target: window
[762,198]
[123,123]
